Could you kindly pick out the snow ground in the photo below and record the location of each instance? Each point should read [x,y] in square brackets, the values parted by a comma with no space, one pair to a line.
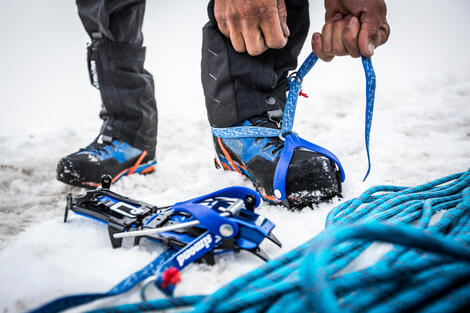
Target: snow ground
[421,131]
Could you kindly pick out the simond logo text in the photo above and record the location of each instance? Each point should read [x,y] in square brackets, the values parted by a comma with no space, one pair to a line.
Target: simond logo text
[205,242]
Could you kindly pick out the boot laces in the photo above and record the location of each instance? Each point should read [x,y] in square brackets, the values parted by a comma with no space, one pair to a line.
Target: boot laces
[277,143]
[97,146]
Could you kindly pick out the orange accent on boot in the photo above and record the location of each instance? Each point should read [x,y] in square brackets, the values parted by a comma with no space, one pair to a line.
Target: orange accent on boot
[137,163]
[149,169]
[232,163]
[227,155]
[130,170]
[127,171]
[123,172]
[272,198]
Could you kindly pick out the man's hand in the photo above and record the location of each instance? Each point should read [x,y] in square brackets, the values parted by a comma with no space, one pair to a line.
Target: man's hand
[253,26]
[353,27]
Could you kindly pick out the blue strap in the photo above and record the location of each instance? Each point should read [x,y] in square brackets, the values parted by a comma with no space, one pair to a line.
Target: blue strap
[245,132]
[125,285]
[291,143]
[370,99]
[295,84]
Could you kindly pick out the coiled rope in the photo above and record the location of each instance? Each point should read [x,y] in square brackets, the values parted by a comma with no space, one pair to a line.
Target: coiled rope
[426,270]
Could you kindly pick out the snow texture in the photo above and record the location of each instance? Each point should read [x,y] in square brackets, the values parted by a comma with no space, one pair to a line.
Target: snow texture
[421,131]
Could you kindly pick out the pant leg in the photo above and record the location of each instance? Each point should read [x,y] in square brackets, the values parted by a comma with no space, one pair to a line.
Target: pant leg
[238,86]
[116,65]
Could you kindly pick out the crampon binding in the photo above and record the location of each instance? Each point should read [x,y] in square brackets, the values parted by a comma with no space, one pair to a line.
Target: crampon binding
[193,231]
[293,142]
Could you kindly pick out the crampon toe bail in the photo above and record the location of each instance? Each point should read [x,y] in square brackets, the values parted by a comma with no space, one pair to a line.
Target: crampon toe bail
[292,142]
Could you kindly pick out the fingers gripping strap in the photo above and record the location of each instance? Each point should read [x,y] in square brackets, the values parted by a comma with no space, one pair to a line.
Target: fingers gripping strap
[291,143]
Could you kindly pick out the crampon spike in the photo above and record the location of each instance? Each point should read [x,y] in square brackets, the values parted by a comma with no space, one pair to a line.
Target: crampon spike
[274,240]
[260,254]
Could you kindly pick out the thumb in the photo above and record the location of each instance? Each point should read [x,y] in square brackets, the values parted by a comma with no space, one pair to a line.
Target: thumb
[374,32]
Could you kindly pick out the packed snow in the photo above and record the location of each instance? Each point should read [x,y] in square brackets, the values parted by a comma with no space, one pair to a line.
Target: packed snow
[421,131]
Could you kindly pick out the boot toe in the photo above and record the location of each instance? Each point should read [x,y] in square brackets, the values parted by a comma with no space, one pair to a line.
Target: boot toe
[311,178]
[75,171]
[68,172]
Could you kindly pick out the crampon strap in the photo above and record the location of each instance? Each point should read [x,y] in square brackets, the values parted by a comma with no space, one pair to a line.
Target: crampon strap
[292,141]
[159,264]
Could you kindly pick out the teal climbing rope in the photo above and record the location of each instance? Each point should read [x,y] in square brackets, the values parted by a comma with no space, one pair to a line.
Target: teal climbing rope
[427,269]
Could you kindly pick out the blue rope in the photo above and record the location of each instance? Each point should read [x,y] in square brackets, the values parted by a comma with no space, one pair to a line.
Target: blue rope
[426,270]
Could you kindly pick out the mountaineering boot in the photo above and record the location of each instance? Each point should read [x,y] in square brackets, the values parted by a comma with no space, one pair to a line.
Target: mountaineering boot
[104,155]
[311,177]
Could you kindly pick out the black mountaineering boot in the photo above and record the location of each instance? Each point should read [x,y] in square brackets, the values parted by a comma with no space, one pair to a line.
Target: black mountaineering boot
[311,177]
[85,167]
[127,140]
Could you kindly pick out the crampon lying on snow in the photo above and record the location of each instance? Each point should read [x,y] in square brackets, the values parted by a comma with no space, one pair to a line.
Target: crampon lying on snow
[192,231]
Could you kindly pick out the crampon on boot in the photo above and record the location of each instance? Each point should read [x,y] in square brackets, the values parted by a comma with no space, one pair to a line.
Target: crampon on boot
[284,167]
[311,177]
[116,158]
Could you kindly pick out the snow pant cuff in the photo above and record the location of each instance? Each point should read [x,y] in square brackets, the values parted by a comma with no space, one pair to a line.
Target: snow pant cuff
[127,90]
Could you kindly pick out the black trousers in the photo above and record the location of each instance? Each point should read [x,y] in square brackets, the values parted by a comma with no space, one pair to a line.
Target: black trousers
[116,65]
[236,86]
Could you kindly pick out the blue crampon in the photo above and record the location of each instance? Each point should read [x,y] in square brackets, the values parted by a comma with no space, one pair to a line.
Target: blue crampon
[426,270]
[291,140]
[193,230]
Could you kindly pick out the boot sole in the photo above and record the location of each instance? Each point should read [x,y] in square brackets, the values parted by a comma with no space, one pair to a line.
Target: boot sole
[142,169]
